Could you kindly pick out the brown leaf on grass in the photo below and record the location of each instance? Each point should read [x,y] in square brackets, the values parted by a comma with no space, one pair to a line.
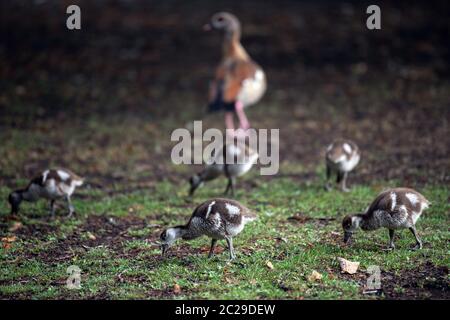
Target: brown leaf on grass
[347,266]
[6,245]
[91,236]
[176,288]
[15,226]
[9,239]
[217,249]
[269,265]
[314,276]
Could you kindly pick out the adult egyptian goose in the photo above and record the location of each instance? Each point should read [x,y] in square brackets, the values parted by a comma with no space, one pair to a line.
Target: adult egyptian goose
[52,184]
[394,209]
[233,160]
[239,82]
[342,156]
[216,218]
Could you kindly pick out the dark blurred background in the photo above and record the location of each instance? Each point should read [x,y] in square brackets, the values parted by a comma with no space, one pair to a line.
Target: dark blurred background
[150,61]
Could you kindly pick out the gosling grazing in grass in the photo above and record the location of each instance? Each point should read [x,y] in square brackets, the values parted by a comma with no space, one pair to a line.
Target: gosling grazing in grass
[342,156]
[233,160]
[52,184]
[216,218]
[394,209]
[239,82]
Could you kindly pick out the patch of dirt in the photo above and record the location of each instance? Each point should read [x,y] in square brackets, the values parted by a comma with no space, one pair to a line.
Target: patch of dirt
[427,281]
[106,231]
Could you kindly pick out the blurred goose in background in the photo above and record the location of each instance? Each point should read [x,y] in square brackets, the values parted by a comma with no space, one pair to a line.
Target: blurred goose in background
[233,160]
[397,208]
[239,82]
[215,218]
[342,156]
[52,184]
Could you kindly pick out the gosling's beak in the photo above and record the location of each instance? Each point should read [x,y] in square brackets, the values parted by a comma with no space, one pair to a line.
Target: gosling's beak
[347,237]
[207,27]
[164,248]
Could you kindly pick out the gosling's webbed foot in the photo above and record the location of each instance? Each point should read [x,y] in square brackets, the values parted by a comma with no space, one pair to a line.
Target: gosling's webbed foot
[345,189]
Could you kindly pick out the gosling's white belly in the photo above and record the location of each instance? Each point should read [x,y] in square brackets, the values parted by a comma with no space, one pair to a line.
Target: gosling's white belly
[345,165]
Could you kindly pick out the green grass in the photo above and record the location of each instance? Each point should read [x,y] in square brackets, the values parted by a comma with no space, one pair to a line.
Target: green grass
[132,268]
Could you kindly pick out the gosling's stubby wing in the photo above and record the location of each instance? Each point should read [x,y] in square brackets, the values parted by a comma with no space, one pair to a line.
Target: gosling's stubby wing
[62,177]
[403,202]
[226,215]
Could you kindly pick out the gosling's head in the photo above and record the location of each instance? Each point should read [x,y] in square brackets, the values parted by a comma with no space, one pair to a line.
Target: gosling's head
[168,237]
[14,199]
[350,224]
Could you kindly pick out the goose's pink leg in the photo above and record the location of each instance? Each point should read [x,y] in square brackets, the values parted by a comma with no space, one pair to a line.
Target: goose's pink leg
[244,124]
[229,122]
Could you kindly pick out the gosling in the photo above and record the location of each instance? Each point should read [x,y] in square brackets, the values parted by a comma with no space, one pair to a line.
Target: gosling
[233,161]
[52,184]
[216,218]
[397,208]
[342,156]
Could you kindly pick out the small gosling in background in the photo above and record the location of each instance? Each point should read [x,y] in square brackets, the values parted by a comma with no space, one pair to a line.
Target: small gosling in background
[52,184]
[233,161]
[397,208]
[216,218]
[342,156]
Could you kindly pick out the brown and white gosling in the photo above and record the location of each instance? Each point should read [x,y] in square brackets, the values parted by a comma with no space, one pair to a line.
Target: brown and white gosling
[52,184]
[394,209]
[342,156]
[216,218]
[233,161]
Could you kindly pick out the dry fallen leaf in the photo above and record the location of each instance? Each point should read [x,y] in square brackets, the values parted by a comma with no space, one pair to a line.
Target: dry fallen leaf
[6,245]
[314,276]
[176,288]
[9,239]
[91,236]
[347,266]
[15,226]
[269,265]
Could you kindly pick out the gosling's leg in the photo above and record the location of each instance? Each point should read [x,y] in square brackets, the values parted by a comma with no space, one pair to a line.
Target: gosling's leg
[391,240]
[228,186]
[70,206]
[344,182]
[328,176]
[233,182]
[418,241]
[52,208]
[211,251]
[230,247]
